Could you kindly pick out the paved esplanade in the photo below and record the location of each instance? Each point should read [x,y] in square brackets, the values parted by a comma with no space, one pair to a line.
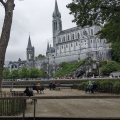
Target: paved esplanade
[73,107]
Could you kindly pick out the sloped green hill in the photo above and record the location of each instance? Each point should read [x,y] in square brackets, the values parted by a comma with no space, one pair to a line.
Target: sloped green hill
[106,67]
[67,68]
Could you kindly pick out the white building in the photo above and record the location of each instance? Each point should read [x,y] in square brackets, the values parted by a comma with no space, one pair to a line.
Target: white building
[69,45]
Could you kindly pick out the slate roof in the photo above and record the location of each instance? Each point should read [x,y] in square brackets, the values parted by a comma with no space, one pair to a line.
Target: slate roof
[29,43]
[56,11]
[69,30]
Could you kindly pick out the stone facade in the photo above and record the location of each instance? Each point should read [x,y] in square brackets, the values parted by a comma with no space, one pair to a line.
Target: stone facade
[69,45]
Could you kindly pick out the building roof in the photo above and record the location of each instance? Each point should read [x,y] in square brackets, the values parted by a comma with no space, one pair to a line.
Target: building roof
[56,10]
[69,30]
[29,43]
[48,47]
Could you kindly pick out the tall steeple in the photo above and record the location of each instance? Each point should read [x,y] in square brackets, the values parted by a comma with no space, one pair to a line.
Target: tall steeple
[30,53]
[48,47]
[56,10]
[56,23]
[29,43]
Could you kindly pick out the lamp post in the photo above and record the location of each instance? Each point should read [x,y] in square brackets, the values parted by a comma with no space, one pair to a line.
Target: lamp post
[78,57]
[79,52]
[48,67]
[54,65]
[98,61]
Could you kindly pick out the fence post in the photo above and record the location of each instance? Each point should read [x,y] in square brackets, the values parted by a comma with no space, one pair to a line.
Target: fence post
[24,105]
[35,100]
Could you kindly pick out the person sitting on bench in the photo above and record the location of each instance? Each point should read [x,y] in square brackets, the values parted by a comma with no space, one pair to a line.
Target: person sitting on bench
[38,87]
[50,85]
[28,92]
[54,86]
[58,84]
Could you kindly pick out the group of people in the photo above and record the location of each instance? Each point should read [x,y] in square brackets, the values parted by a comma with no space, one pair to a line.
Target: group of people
[38,87]
[52,85]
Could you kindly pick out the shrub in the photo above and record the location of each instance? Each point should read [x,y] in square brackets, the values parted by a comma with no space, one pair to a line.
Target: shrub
[82,85]
[110,67]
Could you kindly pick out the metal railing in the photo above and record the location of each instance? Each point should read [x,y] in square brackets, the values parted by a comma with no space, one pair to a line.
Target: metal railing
[13,106]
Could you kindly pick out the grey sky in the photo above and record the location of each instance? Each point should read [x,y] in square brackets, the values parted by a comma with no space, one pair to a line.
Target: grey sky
[34,16]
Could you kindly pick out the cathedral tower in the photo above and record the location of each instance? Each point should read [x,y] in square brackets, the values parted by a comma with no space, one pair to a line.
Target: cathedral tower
[56,23]
[30,53]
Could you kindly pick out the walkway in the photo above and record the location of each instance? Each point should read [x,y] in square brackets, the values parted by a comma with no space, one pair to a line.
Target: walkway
[73,107]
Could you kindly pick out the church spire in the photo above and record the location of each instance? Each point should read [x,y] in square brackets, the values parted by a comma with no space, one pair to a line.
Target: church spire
[48,47]
[29,43]
[56,10]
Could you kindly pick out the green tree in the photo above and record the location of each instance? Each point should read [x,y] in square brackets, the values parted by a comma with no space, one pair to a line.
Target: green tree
[115,53]
[40,56]
[24,73]
[110,67]
[34,72]
[42,73]
[99,12]
[6,73]
[14,74]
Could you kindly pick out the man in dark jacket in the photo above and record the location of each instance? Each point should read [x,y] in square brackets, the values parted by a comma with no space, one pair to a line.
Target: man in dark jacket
[28,92]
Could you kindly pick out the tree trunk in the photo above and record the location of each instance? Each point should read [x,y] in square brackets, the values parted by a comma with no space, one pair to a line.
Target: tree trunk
[5,35]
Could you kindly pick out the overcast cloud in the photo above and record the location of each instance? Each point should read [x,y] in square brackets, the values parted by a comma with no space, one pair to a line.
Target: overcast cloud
[34,16]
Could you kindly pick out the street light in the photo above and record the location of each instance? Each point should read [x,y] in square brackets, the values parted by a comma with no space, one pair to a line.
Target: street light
[54,65]
[98,61]
[79,52]
[48,67]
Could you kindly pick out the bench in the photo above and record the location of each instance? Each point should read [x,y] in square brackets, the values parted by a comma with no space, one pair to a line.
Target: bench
[65,86]
[20,93]
[41,89]
[59,88]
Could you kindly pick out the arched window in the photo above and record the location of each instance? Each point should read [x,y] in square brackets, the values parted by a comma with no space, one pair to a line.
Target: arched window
[73,36]
[68,37]
[64,38]
[62,47]
[78,35]
[71,44]
[76,43]
[91,31]
[91,41]
[59,41]
[60,25]
[56,25]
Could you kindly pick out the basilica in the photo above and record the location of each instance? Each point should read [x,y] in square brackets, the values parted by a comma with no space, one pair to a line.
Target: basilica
[70,45]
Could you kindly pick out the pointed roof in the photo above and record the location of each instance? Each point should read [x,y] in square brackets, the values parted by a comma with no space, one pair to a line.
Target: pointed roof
[19,59]
[56,10]
[29,43]
[48,46]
